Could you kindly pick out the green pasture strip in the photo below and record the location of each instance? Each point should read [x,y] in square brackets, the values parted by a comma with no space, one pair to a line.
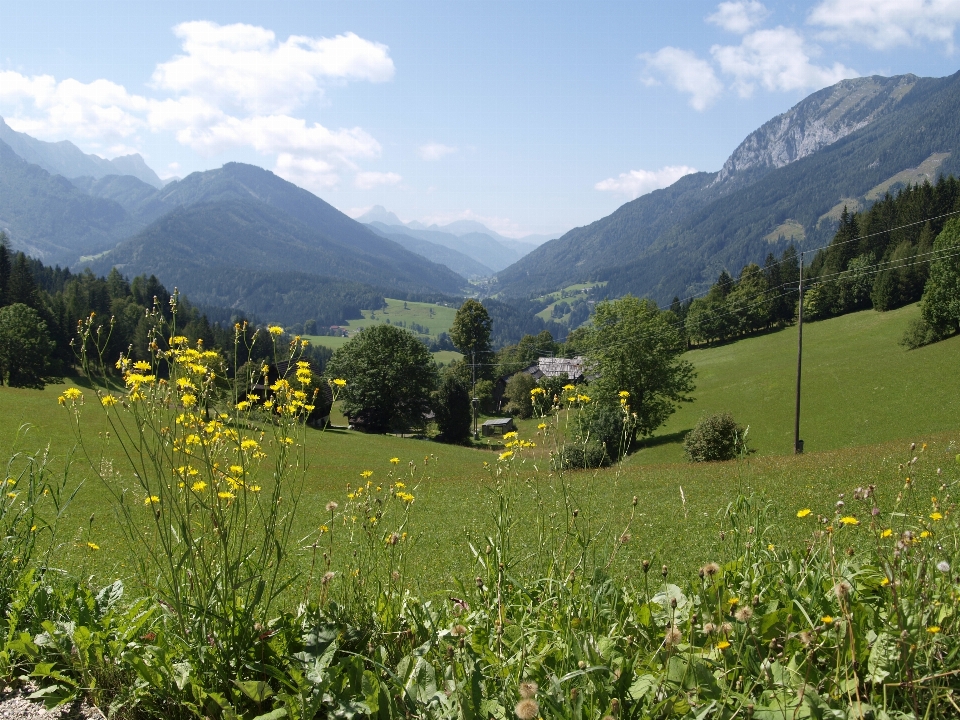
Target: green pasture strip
[415,312]
[455,501]
[859,387]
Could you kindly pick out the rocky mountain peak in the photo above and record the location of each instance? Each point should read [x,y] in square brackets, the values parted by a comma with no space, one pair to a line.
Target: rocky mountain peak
[816,121]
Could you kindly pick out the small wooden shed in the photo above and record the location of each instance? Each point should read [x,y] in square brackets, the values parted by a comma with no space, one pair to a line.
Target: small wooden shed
[497,426]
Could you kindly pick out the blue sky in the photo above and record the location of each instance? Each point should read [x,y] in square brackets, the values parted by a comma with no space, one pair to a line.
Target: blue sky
[533,117]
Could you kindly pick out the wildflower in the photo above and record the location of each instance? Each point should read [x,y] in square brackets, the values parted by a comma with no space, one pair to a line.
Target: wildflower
[327,577]
[198,486]
[72,394]
[925,534]
[943,566]
[254,488]
[848,520]
[842,589]
[93,546]
[936,516]
[151,500]
[366,473]
[141,365]
[886,533]
[733,601]
[744,614]
[405,497]
[709,629]
[332,505]
[542,426]
[569,388]
[827,620]
[188,400]
[933,629]
[12,495]
[528,689]
[527,709]
[108,400]
[324,529]
[509,435]
[249,444]
[395,460]
[224,495]
[399,485]
[711,569]
[506,455]
[243,405]
[803,513]
[275,330]
[624,394]
[723,645]
[339,382]
[672,637]
[393,539]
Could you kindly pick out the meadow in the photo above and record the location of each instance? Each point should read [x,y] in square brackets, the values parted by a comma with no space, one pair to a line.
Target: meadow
[865,400]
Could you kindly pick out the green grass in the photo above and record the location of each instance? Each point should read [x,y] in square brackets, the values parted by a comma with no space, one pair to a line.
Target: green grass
[865,400]
[858,387]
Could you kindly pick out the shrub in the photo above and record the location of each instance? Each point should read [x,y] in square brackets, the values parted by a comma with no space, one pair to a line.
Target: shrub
[451,406]
[715,437]
[518,391]
[919,333]
[602,435]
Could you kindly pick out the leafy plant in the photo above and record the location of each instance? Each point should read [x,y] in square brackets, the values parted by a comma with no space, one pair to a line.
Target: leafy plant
[715,437]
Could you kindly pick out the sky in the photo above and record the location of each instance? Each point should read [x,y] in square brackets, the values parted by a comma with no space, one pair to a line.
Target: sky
[528,116]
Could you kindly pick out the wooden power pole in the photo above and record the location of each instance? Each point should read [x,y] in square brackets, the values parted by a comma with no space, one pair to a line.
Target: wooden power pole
[797,442]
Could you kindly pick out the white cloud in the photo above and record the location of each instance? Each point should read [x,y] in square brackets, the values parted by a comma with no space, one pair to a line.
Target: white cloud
[884,24]
[370,180]
[776,59]
[311,173]
[245,66]
[639,182]
[100,110]
[435,151]
[687,73]
[739,17]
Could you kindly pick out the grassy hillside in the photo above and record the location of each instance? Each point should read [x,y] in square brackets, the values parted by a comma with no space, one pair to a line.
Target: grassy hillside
[859,387]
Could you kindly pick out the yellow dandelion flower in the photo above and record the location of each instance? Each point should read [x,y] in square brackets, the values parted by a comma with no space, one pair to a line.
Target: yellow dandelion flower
[803,513]
[366,473]
[324,529]
[506,455]
[399,485]
[275,330]
[624,393]
[198,486]
[886,533]
[108,401]
[243,405]
[151,500]
[254,488]
[885,581]
[224,495]
[249,444]
[722,645]
[395,460]
[509,435]
[141,365]
[406,497]
[925,534]
[827,620]
[848,520]
[188,400]
[569,388]
[733,601]
[339,382]
[933,629]
[542,426]
[936,516]
[93,546]
[12,495]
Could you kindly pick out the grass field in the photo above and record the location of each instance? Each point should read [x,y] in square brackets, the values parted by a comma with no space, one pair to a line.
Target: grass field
[865,400]
[437,318]
[859,387]
[569,293]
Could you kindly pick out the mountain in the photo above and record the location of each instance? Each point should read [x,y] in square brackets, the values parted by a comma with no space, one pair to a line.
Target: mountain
[463,265]
[841,145]
[49,218]
[220,251]
[65,158]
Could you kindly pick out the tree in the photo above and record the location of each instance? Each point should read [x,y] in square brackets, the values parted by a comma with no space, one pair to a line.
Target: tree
[470,334]
[390,375]
[633,348]
[940,306]
[22,288]
[451,407]
[25,347]
[748,302]
[4,268]
[518,392]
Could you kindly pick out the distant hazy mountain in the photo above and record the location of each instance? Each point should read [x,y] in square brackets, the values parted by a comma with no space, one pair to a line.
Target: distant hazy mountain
[462,264]
[65,158]
[844,145]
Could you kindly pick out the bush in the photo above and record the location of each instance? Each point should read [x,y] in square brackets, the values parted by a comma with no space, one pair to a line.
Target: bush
[451,407]
[602,435]
[518,392]
[715,437]
[919,333]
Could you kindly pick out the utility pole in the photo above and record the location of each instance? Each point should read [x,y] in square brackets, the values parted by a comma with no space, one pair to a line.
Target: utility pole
[476,401]
[797,442]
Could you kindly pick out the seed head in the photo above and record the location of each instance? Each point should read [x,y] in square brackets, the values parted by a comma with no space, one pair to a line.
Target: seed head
[327,577]
[744,614]
[527,709]
[842,589]
[459,631]
[646,566]
[332,505]
[663,571]
[710,569]
[528,689]
[709,628]
[672,637]
[943,566]
[726,628]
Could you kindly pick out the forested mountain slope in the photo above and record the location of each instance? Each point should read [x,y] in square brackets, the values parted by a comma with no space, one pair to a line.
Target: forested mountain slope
[838,145]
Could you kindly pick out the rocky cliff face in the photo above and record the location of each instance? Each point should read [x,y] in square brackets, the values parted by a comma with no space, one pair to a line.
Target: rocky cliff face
[815,122]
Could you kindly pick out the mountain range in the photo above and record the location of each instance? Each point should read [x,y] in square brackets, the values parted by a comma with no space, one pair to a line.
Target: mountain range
[787,182]
[241,237]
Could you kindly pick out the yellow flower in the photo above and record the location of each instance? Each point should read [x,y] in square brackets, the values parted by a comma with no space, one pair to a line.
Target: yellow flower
[542,426]
[141,365]
[886,533]
[339,382]
[275,330]
[12,495]
[885,581]
[324,529]
[249,444]
[151,500]
[198,486]
[509,435]
[849,520]
[188,400]
[243,405]
[733,601]
[223,495]
[395,461]
[254,488]
[406,497]
[827,620]
[803,513]
[506,455]
[936,516]
[925,534]
[108,400]
[723,645]
[624,394]
[93,546]
[933,629]
[185,384]
[569,388]
[366,473]
[72,394]
[399,485]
